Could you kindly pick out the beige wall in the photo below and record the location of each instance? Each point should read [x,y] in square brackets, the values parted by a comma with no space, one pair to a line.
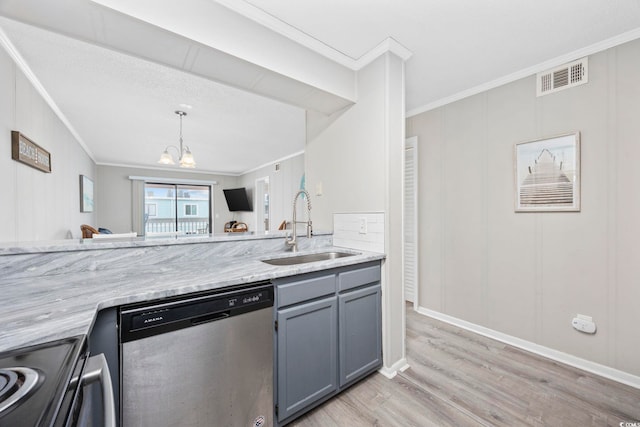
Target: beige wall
[37,205]
[529,274]
[114,195]
[114,192]
[283,184]
[357,160]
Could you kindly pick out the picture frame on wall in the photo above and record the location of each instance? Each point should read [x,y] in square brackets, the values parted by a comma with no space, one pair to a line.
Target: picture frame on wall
[547,174]
[86,194]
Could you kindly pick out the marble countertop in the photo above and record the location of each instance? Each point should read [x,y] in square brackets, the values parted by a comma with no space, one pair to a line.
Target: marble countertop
[13,248]
[52,307]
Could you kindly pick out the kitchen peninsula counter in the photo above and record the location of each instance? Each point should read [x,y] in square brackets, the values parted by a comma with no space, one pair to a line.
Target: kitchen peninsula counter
[51,293]
[67,245]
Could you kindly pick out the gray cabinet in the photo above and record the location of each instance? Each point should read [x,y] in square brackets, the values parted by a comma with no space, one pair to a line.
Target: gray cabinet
[307,354]
[360,321]
[328,335]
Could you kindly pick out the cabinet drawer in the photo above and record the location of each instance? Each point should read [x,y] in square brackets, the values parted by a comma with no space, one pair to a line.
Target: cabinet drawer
[362,276]
[306,289]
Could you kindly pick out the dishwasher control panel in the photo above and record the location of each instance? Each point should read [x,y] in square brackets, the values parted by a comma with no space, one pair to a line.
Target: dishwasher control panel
[138,322]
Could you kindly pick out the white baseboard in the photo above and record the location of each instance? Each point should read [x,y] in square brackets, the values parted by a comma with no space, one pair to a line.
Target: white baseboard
[567,359]
[390,372]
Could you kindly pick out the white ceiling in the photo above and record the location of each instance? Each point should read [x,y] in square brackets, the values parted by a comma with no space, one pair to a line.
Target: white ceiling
[122,106]
[458,44]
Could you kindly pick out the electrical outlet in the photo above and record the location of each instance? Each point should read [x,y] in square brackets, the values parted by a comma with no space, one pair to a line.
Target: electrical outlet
[363,225]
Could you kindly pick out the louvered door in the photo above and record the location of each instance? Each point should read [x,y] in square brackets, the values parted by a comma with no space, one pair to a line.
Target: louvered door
[410,219]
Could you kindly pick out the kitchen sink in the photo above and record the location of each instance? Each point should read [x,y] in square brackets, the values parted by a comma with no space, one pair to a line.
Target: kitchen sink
[302,259]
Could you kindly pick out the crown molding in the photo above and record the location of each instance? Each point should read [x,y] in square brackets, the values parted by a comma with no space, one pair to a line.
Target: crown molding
[388,45]
[572,56]
[167,169]
[26,70]
[277,25]
[284,29]
[282,159]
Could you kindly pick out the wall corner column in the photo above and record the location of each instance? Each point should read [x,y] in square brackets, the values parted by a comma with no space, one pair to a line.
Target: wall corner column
[393,305]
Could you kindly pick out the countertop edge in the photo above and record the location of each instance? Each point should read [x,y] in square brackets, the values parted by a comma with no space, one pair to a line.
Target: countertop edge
[74,245]
[65,313]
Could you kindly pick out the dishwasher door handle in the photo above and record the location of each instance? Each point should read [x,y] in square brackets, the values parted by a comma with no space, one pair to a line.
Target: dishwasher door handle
[210,318]
[98,370]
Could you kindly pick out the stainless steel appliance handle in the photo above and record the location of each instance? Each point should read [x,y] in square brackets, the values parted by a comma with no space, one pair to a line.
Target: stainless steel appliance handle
[98,370]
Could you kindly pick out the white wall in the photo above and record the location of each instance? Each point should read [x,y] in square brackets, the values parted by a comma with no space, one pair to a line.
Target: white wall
[114,195]
[283,184]
[347,159]
[529,274]
[357,161]
[348,233]
[37,205]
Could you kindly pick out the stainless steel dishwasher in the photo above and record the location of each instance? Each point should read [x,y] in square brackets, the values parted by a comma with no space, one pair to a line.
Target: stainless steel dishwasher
[202,361]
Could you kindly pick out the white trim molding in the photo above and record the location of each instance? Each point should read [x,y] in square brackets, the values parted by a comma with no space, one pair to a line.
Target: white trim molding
[284,29]
[273,162]
[387,45]
[167,169]
[278,26]
[171,180]
[11,50]
[390,372]
[549,353]
[552,63]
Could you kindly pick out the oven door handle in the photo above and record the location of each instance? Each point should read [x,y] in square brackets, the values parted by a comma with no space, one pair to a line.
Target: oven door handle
[98,370]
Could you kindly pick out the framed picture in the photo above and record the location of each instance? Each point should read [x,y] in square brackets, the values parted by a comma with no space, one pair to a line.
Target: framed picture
[29,153]
[86,194]
[547,174]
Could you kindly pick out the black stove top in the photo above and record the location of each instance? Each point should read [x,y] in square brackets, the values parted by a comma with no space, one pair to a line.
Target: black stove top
[34,382]
[16,383]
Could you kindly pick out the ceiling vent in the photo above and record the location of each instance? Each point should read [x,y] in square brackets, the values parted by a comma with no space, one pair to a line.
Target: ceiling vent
[562,77]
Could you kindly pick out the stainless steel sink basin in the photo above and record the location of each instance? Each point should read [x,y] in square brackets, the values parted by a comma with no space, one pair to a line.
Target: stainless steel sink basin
[302,259]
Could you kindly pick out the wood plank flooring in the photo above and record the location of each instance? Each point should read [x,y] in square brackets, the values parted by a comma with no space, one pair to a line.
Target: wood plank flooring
[458,378]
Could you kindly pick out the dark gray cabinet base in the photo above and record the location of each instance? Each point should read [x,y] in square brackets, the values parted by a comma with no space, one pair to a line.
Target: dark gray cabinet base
[328,335]
[307,354]
[360,341]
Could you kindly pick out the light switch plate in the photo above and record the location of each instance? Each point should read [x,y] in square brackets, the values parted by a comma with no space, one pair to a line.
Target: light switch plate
[363,225]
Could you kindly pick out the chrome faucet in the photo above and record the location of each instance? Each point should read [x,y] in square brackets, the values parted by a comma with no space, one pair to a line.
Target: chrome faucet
[291,241]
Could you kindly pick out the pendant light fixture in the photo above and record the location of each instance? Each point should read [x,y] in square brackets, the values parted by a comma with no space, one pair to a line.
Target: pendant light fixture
[185,158]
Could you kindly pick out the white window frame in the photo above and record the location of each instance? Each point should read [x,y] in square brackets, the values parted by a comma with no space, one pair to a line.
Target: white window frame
[138,196]
[192,205]
[147,210]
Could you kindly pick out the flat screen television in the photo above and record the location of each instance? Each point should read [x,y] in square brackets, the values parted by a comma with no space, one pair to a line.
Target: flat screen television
[237,199]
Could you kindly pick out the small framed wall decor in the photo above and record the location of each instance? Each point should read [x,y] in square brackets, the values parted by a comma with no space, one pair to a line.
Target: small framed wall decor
[26,151]
[86,194]
[547,174]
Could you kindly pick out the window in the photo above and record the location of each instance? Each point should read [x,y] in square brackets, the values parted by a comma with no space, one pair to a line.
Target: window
[171,208]
[151,209]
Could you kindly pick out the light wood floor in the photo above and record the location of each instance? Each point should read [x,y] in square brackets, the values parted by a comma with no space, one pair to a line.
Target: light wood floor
[458,378]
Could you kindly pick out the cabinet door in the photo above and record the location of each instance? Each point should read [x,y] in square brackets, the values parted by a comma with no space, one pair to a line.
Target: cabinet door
[360,322]
[307,354]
